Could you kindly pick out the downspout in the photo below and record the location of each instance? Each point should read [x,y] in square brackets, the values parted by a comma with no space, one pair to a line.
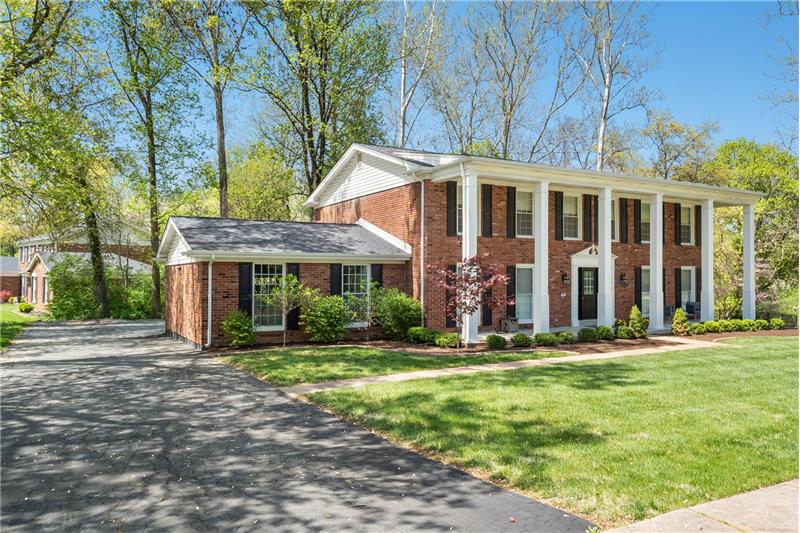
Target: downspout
[422,248]
[210,297]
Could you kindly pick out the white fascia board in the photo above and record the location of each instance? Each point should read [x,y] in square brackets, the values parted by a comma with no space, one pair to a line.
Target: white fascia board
[221,256]
[313,199]
[32,263]
[527,172]
[385,235]
[168,237]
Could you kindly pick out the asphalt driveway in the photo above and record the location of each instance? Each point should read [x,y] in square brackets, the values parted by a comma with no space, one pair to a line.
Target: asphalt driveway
[109,426]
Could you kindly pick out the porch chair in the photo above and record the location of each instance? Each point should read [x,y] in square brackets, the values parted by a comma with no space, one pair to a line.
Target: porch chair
[692,310]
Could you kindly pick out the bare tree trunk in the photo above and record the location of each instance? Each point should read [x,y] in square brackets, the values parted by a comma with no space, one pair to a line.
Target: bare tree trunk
[222,160]
[152,197]
[601,130]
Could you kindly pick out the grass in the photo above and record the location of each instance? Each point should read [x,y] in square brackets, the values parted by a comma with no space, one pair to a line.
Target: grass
[615,441]
[11,323]
[291,366]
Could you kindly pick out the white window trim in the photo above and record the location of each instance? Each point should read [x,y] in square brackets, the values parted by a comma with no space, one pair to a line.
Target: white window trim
[253,300]
[516,274]
[693,280]
[646,272]
[615,220]
[45,299]
[460,217]
[579,199]
[533,215]
[643,239]
[361,324]
[34,289]
[692,223]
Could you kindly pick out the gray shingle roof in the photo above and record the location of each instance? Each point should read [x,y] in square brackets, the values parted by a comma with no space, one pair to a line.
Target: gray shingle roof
[400,153]
[111,260]
[9,265]
[283,238]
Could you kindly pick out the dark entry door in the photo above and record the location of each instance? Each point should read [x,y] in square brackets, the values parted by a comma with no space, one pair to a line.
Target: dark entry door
[587,294]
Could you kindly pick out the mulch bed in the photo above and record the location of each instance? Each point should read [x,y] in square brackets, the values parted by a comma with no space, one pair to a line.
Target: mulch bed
[764,333]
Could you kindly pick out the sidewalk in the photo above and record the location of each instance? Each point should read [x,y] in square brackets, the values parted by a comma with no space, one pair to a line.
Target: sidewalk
[772,509]
[678,344]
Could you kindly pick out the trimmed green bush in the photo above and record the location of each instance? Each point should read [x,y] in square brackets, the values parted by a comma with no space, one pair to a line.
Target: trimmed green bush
[420,335]
[566,337]
[605,333]
[762,324]
[447,340]
[520,340]
[697,329]
[776,323]
[25,307]
[680,323]
[587,335]
[637,323]
[712,326]
[626,332]
[727,326]
[325,319]
[396,312]
[496,342]
[748,325]
[238,329]
[545,339]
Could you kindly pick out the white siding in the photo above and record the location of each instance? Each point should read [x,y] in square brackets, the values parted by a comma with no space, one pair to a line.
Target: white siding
[176,252]
[359,178]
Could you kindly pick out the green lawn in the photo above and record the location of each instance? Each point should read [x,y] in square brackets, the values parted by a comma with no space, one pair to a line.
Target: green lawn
[315,364]
[11,323]
[617,440]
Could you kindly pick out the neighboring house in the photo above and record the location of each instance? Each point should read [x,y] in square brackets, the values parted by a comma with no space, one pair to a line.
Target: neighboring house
[607,241]
[9,275]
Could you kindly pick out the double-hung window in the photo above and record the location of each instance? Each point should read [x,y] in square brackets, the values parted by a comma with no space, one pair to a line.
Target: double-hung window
[524,293]
[571,217]
[613,220]
[459,209]
[266,316]
[524,205]
[687,285]
[687,225]
[645,291]
[34,283]
[644,223]
[44,290]
[355,289]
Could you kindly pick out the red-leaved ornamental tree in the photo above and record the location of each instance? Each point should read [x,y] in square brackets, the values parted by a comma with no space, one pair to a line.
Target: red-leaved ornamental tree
[473,284]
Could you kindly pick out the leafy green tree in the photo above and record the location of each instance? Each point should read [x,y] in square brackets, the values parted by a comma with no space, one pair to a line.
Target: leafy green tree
[680,150]
[261,186]
[289,294]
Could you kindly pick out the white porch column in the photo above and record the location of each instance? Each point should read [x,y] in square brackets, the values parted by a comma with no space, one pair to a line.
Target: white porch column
[605,271]
[749,266]
[707,261]
[469,242]
[657,261]
[541,273]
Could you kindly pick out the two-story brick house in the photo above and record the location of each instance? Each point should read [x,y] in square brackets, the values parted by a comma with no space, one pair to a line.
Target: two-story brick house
[606,242]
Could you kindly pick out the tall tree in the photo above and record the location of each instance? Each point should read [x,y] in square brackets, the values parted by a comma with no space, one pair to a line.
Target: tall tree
[679,149]
[213,32]
[261,186]
[613,62]
[147,67]
[320,66]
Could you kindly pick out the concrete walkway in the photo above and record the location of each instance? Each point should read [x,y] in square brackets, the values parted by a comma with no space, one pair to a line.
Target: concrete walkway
[678,344]
[772,509]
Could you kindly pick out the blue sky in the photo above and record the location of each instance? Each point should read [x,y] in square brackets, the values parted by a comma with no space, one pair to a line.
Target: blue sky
[716,61]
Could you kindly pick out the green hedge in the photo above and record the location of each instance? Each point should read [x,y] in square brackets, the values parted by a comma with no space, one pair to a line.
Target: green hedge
[496,342]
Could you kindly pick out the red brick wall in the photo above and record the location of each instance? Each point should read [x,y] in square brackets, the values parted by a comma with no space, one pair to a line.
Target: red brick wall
[186,292]
[10,284]
[38,273]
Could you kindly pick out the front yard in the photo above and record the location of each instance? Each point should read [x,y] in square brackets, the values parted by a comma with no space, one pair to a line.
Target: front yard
[314,364]
[616,440]
[11,323]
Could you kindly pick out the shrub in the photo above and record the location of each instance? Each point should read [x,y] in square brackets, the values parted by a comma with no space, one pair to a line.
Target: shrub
[726,326]
[680,324]
[626,332]
[637,323]
[545,339]
[25,307]
[776,323]
[748,325]
[587,335]
[566,337]
[4,296]
[712,326]
[605,333]
[761,324]
[396,312]
[325,319]
[448,340]
[696,329]
[496,342]
[420,335]
[13,300]
[238,329]
[520,340]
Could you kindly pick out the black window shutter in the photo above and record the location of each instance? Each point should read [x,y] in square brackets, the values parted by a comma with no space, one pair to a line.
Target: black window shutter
[451,208]
[698,281]
[293,318]
[511,290]
[697,230]
[623,220]
[559,215]
[678,224]
[587,217]
[637,221]
[596,202]
[637,287]
[511,212]
[663,223]
[376,273]
[678,288]
[246,287]
[486,310]
[336,279]
[486,210]
[448,321]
